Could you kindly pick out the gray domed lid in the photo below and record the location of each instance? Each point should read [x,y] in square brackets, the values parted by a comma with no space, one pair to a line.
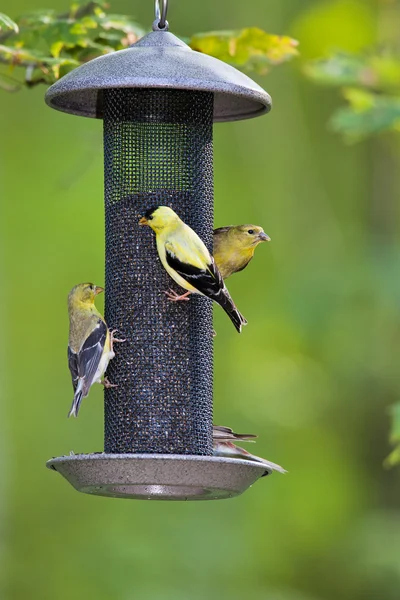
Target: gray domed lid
[159,60]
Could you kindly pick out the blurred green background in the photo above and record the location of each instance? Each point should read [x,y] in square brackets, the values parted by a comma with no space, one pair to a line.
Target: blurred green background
[313,374]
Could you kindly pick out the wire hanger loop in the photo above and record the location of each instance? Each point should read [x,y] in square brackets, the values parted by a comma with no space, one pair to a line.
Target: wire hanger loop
[161,9]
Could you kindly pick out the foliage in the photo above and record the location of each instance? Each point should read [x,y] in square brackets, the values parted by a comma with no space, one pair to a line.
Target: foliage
[370,83]
[7,23]
[394,456]
[379,72]
[47,45]
[250,48]
[368,78]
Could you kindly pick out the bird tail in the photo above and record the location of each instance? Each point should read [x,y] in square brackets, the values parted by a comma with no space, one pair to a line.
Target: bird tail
[76,403]
[225,434]
[227,449]
[226,302]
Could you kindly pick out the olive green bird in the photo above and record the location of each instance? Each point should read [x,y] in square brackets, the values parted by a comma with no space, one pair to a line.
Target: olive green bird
[90,345]
[234,247]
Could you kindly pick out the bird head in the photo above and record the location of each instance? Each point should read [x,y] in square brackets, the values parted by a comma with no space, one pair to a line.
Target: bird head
[84,293]
[250,236]
[159,217]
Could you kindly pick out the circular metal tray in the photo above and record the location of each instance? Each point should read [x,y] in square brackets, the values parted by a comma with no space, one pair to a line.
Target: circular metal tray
[158,476]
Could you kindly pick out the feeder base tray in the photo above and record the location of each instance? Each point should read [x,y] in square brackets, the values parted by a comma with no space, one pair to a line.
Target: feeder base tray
[158,476]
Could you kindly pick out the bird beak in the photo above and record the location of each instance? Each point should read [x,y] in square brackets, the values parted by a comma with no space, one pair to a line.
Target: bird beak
[143,221]
[98,290]
[263,237]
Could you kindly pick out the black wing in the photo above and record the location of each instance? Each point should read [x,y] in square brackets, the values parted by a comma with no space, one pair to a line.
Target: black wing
[89,356]
[207,281]
[73,367]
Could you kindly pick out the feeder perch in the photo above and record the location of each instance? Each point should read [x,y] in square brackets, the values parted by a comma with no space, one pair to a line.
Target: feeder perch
[158,100]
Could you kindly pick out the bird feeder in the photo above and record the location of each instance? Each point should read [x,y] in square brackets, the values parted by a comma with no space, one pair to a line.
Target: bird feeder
[158,100]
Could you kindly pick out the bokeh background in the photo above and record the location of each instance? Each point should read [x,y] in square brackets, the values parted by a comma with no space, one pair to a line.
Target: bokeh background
[313,374]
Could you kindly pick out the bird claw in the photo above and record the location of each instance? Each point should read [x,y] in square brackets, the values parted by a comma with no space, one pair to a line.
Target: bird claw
[175,297]
[114,339]
[107,384]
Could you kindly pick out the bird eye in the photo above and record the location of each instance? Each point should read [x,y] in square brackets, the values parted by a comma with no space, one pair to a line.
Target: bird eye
[251,231]
[150,218]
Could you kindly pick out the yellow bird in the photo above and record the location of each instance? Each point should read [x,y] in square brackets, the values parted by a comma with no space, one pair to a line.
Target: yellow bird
[223,446]
[90,346]
[187,260]
[234,247]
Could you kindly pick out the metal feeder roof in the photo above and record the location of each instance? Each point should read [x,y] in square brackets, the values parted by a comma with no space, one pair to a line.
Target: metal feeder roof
[159,60]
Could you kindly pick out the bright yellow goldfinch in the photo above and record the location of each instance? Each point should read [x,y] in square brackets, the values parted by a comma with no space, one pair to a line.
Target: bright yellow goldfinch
[90,346]
[188,262]
[223,447]
[234,247]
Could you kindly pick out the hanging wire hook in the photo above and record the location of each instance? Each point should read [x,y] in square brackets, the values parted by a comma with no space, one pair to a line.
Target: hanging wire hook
[161,14]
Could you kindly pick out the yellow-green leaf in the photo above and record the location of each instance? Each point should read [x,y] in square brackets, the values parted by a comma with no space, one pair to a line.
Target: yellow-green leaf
[56,48]
[361,100]
[365,116]
[393,459]
[394,412]
[7,23]
[252,47]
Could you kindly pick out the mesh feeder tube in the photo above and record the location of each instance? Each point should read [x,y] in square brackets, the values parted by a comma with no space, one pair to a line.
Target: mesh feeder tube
[157,140]
[158,100]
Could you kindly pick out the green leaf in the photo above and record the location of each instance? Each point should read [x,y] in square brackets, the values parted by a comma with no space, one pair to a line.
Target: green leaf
[56,48]
[119,31]
[19,55]
[121,23]
[69,34]
[87,7]
[7,23]
[367,114]
[338,70]
[394,438]
[360,100]
[394,412]
[37,18]
[252,48]
[50,66]
[393,459]
[374,71]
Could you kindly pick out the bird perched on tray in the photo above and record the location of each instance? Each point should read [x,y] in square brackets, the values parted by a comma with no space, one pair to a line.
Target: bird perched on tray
[234,247]
[187,260]
[90,346]
[223,446]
